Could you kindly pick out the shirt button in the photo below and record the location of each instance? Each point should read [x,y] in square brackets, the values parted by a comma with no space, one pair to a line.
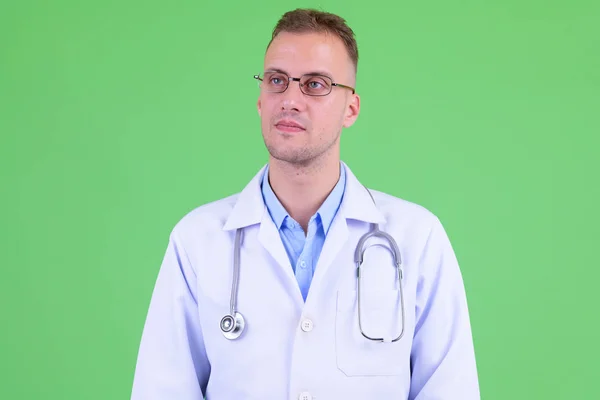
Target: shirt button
[305,396]
[307,325]
[303,264]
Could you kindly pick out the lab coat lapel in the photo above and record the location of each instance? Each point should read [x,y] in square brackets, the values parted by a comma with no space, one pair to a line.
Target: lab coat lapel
[356,205]
[334,242]
[248,206]
[250,209]
[270,239]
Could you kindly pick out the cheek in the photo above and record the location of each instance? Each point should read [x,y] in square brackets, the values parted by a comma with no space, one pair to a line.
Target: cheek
[266,107]
[328,117]
[266,116]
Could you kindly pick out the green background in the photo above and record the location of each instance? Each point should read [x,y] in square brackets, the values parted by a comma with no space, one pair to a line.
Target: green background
[118,117]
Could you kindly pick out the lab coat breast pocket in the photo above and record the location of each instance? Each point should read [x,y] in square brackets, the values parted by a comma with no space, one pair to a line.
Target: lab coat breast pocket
[381,317]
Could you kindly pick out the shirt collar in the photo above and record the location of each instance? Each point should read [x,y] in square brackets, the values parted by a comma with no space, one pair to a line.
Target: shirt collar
[248,208]
[326,212]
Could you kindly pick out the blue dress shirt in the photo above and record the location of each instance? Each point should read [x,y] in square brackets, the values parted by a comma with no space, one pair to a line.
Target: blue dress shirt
[303,250]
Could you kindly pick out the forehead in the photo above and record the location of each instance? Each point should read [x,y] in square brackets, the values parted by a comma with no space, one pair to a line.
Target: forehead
[300,53]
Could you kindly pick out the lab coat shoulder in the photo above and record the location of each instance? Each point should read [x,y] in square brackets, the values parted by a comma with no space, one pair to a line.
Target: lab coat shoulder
[418,226]
[206,217]
[411,222]
[442,357]
[200,227]
[397,207]
[172,360]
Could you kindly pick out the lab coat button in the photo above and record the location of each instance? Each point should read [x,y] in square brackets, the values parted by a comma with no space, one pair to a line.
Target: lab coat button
[307,325]
[305,396]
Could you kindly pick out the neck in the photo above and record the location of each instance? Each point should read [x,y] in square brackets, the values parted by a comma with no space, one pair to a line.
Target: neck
[302,189]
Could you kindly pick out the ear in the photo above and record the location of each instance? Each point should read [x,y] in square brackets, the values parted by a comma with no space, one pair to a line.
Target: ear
[258,106]
[352,111]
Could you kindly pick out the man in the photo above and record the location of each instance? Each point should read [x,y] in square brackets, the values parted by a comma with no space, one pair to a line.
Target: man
[311,326]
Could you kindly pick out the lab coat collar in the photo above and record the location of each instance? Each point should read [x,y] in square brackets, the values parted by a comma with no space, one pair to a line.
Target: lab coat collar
[249,208]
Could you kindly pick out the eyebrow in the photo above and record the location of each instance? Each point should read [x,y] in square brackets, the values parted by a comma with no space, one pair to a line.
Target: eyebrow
[315,72]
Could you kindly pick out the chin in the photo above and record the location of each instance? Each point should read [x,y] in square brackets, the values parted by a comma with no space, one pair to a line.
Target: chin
[286,155]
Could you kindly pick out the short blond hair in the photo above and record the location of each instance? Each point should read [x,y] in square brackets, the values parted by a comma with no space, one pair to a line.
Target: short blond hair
[304,20]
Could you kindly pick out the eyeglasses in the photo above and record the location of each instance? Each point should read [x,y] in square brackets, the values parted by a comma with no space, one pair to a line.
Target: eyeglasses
[310,84]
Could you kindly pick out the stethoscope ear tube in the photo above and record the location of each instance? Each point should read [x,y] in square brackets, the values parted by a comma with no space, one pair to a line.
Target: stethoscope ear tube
[358,257]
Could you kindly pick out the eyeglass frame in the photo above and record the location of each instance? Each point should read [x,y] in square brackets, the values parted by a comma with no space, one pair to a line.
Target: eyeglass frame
[291,78]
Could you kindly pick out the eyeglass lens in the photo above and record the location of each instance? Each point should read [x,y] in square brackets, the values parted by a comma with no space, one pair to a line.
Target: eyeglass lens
[313,85]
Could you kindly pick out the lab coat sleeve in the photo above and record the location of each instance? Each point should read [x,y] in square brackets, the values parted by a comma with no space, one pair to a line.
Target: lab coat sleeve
[172,362]
[443,358]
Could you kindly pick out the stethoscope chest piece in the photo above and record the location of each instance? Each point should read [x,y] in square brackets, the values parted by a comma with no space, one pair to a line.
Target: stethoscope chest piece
[232,326]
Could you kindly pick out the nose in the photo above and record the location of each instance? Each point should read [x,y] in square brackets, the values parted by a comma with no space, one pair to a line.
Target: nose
[293,99]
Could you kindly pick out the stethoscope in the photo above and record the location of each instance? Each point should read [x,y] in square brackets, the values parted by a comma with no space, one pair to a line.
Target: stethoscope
[233,324]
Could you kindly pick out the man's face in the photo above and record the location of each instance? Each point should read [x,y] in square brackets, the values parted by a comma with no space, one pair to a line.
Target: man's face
[320,118]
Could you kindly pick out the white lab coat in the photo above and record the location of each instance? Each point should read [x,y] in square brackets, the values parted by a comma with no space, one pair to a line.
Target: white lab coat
[313,350]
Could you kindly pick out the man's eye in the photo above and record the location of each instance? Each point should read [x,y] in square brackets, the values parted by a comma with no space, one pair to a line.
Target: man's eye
[277,80]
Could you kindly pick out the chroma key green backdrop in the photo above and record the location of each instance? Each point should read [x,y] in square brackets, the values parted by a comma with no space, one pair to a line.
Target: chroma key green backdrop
[118,117]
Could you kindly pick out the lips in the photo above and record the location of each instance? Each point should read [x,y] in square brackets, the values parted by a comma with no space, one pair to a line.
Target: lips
[288,125]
